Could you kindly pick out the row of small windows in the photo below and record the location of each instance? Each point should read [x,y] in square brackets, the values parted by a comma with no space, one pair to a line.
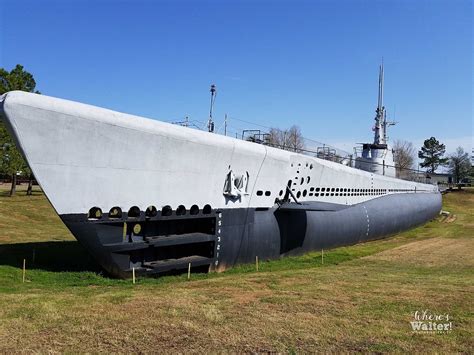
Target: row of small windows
[343,189]
[338,191]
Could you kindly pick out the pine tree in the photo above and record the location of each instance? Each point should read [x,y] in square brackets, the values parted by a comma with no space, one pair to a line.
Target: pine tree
[432,154]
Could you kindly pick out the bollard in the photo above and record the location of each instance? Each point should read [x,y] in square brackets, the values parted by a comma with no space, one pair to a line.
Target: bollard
[189,271]
[133,275]
[256,262]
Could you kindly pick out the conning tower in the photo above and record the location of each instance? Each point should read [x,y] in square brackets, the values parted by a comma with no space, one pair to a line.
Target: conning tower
[377,157]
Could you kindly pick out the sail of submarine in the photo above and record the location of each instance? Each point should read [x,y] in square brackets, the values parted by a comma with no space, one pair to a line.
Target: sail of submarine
[155,197]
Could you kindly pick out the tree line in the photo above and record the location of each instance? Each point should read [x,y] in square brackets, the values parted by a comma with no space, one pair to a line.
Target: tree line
[433,156]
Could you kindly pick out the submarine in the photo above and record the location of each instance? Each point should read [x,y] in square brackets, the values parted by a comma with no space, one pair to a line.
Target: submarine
[153,197]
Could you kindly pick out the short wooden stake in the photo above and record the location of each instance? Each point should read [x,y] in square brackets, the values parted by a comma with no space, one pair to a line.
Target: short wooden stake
[133,275]
[189,271]
[256,262]
[24,269]
[322,256]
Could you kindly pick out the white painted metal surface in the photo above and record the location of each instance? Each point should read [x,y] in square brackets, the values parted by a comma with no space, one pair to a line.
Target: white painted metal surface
[84,156]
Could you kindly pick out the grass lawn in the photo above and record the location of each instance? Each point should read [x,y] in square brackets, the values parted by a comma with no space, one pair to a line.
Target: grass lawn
[362,299]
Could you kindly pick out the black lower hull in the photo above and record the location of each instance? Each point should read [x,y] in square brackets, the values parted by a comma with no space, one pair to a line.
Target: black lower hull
[218,239]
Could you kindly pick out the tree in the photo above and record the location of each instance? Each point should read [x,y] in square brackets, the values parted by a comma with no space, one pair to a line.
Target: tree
[289,139]
[11,161]
[432,154]
[27,172]
[17,79]
[404,156]
[459,164]
[296,140]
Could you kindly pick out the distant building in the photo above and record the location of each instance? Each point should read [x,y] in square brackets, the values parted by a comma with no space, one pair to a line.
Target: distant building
[440,178]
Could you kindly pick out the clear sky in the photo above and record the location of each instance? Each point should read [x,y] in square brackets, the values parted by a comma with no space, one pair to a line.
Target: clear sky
[275,63]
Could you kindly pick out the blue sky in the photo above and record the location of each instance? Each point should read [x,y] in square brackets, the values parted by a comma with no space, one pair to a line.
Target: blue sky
[275,63]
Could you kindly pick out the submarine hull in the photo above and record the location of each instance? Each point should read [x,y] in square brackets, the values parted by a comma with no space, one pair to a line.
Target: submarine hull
[224,238]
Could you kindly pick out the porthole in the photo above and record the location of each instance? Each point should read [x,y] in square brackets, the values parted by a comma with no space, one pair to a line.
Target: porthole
[311,166]
[302,180]
[194,210]
[115,212]
[259,193]
[308,179]
[317,189]
[95,213]
[267,193]
[181,210]
[316,194]
[310,194]
[332,194]
[298,194]
[207,209]
[304,193]
[151,211]
[281,193]
[337,189]
[166,211]
[333,189]
[133,212]
[322,189]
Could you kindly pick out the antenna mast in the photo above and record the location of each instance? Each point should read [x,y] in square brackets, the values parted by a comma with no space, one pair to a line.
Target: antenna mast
[380,117]
[210,122]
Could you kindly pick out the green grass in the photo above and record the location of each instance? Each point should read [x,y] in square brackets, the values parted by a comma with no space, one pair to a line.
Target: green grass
[361,299]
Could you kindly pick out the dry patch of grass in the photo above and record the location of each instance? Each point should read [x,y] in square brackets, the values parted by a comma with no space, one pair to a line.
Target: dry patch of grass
[435,252]
[363,302]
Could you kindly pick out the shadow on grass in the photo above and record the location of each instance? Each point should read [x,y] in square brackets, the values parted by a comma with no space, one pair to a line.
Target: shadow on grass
[50,256]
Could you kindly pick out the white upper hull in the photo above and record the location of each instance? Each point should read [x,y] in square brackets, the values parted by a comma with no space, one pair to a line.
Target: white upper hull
[84,156]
